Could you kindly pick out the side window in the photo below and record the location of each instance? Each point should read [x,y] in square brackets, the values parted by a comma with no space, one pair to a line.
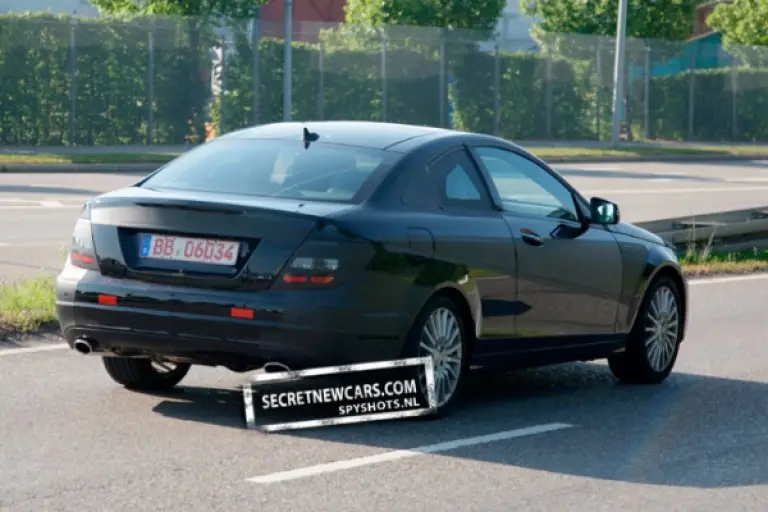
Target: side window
[525,187]
[458,181]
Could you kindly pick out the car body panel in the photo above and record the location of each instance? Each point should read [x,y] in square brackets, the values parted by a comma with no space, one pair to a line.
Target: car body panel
[573,298]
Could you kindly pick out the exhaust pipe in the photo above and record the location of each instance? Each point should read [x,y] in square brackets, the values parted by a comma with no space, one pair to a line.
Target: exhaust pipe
[83,346]
[274,367]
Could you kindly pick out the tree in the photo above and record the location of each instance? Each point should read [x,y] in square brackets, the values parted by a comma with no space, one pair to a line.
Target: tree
[479,15]
[665,21]
[649,19]
[742,22]
[228,8]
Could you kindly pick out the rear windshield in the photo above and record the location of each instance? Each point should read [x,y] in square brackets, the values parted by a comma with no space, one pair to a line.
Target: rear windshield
[276,168]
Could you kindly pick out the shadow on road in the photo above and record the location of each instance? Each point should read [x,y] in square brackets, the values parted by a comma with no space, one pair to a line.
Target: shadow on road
[691,431]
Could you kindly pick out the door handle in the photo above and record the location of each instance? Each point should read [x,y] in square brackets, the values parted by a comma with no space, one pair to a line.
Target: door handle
[531,237]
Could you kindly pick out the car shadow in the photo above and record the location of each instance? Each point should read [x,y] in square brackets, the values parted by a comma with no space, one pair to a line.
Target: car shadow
[691,431]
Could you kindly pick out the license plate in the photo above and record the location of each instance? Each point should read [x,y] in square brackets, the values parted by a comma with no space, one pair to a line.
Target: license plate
[195,250]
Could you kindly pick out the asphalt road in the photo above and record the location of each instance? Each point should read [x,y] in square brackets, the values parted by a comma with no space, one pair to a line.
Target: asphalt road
[38,211]
[71,439]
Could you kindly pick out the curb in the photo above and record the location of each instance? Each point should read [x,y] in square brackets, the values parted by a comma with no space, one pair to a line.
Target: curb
[147,167]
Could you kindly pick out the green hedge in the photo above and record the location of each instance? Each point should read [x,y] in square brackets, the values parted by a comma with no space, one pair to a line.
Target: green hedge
[713,106]
[111,77]
[339,80]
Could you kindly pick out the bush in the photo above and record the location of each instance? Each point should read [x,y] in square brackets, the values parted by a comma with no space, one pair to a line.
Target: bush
[111,76]
[713,106]
[340,78]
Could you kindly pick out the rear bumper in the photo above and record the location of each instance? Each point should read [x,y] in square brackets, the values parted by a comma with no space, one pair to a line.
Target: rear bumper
[298,328]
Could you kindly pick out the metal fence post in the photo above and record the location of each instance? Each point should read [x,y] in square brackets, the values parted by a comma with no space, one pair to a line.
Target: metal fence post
[734,99]
[72,81]
[288,62]
[496,87]
[599,92]
[441,87]
[692,94]
[647,94]
[223,90]
[550,91]
[384,43]
[256,65]
[321,81]
[151,83]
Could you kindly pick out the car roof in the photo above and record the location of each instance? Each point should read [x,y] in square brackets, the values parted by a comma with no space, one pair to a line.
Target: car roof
[368,134]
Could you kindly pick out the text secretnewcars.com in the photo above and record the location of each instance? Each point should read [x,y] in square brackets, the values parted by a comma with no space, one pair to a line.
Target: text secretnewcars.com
[339,394]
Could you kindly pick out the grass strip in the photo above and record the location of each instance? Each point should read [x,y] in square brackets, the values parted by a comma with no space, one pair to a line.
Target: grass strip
[27,305]
[96,158]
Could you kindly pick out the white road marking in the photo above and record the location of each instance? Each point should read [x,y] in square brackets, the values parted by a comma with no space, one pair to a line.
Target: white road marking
[51,204]
[750,180]
[723,280]
[660,180]
[674,190]
[31,350]
[402,454]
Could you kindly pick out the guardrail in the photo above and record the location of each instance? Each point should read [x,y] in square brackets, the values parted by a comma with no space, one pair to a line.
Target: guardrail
[716,230]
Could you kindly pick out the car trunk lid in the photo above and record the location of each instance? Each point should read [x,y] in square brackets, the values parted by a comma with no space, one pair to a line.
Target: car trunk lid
[200,239]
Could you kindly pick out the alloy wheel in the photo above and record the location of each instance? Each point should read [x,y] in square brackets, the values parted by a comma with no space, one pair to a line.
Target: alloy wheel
[441,339]
[662,329]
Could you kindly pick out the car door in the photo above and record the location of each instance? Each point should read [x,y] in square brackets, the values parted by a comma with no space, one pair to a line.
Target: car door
[568,277]
[470,232]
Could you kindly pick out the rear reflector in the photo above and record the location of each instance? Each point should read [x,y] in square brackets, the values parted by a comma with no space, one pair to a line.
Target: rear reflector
[241,313]
[108,300]
[321,279]
[290,278]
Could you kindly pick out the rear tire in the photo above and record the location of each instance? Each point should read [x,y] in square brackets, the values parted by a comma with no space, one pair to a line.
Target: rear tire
[654,341]
[440,332]
[143,375]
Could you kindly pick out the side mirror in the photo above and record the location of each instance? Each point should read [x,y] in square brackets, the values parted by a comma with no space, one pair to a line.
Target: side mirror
[603,212]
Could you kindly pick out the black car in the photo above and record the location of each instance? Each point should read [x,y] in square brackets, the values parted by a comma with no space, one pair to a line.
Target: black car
[297,245]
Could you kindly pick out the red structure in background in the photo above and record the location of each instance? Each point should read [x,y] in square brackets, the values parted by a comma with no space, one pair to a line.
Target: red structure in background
[700,26]
[309,17]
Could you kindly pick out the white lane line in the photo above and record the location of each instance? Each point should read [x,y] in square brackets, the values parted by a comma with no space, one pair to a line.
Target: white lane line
[51,204]
[748,180]
[403,454]
[675,190]
[31,350]
[723,280]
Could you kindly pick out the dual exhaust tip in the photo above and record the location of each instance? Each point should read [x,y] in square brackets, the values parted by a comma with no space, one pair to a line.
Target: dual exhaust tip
[83,346]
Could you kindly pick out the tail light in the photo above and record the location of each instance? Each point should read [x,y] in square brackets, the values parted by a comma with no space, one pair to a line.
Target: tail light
[308,270]
[82,252]
[327,258]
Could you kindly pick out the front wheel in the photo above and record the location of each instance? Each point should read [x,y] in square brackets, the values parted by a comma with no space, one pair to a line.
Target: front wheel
[440,333]
[145,374]
[654,342]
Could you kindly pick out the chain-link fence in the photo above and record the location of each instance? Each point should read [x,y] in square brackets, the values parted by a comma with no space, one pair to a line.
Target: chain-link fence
[66,81]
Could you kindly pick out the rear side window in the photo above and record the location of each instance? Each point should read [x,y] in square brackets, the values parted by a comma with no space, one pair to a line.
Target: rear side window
[272,168]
